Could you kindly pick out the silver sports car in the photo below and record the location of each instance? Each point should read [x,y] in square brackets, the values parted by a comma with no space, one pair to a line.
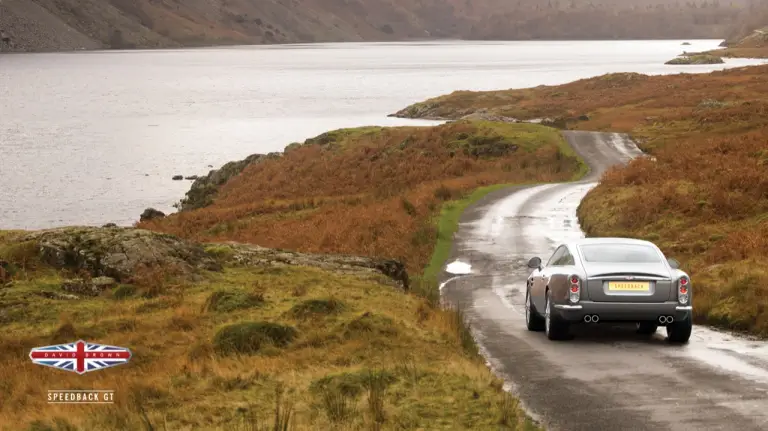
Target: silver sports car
[595,280]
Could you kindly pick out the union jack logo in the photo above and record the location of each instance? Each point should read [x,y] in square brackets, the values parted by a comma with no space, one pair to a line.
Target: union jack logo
[80,357]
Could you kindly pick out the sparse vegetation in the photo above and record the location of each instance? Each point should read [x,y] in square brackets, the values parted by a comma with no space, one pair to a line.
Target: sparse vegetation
[707,134]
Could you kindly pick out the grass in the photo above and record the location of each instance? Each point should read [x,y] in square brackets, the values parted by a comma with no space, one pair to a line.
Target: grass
[239,349]
[704,198]
[374,191]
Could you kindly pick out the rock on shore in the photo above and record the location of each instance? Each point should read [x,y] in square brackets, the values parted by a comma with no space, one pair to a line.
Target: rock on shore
[696,59]
[204,188]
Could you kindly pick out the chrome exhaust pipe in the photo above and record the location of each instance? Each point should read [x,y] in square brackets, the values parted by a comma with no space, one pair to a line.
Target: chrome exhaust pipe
[587,319]
[595,318]
[662,319]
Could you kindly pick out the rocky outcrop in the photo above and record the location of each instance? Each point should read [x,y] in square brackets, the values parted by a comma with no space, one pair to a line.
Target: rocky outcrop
[252,255]
[149,214]
[696,59]
[92,287]
[108,256]
[205,188]
[117,252]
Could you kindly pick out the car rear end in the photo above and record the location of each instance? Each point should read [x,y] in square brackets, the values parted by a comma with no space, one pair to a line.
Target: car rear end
[627,282]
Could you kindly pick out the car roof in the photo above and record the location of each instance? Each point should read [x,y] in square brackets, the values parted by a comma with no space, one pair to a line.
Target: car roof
[610,240]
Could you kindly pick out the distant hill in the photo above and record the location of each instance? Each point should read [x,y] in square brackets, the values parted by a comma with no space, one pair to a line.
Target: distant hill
[43,25]
[752,22]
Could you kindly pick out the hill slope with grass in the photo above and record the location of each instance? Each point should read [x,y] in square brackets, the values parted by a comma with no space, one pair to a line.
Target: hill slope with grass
[704,200]
[34,25]
[228,336]
[373,191]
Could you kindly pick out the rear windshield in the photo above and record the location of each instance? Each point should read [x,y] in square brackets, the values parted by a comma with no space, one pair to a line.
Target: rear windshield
[620,253]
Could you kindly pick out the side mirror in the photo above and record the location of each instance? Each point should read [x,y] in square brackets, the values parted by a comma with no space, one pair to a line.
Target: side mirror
[534,263]
[673,263]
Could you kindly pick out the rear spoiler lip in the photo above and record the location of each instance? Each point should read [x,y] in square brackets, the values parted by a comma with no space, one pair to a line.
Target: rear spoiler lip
[635,276]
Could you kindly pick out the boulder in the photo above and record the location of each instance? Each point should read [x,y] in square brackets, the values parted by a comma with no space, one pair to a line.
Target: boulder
[117,253]
[178,177]
[151,214]
[191,177]
[81,287]
[253,255]
[103,283]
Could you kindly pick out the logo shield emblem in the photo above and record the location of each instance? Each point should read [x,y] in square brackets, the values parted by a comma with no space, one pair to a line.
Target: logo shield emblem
[80,357]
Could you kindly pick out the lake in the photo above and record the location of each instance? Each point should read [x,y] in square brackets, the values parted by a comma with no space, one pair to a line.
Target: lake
[94,137]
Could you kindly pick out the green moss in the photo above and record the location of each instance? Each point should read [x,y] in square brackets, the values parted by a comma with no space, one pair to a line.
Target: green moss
[228,301]
[251,337]
[317,307]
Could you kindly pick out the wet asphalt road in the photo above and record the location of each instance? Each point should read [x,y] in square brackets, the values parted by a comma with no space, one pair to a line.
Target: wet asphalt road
[606,378]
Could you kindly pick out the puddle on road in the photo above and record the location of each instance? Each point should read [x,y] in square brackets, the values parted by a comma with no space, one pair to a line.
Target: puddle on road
[728,352]
[458,267]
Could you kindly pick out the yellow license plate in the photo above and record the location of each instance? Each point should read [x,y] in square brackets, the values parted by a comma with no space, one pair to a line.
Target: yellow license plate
[633,286]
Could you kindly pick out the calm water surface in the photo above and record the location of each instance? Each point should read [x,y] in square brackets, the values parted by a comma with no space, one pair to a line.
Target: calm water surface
[95,137]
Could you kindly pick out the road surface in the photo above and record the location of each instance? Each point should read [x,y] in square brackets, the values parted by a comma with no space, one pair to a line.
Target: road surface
[607,378]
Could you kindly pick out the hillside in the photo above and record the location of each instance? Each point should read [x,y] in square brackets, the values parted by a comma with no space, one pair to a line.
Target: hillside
[212,330]
[34,25]
[748,38]
[704,199]
[372,191]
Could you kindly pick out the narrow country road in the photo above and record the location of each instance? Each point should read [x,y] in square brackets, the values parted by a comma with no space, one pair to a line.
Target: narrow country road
[607,378]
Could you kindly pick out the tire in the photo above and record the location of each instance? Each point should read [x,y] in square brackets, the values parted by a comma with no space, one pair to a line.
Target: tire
[533,320]
[555,327]
[647,328]
[679,332]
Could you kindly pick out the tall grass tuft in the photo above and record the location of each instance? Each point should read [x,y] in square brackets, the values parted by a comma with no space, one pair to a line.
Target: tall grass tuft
[377,388]
[338,405]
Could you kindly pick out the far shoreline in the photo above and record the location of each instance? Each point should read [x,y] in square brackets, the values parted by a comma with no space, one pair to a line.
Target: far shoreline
[309,44]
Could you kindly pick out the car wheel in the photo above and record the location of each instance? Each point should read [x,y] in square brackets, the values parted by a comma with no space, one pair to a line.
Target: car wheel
[533,321]
[679,332]
[555,327]
[647,328]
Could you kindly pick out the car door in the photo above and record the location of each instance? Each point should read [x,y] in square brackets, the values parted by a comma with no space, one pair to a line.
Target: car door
[541,279]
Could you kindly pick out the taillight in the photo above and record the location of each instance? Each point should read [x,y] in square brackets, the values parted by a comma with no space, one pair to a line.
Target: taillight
[683,285]
[575,291]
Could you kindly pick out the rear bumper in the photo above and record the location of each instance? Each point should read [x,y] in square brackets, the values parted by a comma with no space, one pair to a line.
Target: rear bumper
[622,311]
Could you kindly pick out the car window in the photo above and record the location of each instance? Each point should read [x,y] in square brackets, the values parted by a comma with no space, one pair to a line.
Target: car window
[556,256]
[620,253]
[567,258]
